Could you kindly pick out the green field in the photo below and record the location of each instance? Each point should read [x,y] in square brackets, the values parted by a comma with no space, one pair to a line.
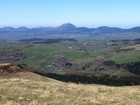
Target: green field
[65,56]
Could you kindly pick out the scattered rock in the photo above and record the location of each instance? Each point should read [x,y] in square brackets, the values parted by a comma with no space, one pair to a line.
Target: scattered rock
[28,99]
[8,68]
[20,98]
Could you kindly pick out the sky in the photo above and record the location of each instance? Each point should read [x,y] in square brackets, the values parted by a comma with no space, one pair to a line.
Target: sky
[89,13]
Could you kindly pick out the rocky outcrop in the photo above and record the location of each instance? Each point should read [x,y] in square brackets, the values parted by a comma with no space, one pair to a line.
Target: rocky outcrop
[8,68]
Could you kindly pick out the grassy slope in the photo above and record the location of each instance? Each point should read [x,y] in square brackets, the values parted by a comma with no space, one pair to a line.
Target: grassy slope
[47,54]
[128,57]
[31,89]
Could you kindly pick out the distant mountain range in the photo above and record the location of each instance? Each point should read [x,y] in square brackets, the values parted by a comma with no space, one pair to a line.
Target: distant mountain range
[67,28]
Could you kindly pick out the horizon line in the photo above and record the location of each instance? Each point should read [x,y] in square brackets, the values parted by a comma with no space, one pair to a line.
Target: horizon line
[55,26]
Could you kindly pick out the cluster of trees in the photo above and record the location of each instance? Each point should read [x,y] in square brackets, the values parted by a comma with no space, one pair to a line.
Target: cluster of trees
[133,67]
[89,78]
[45,41]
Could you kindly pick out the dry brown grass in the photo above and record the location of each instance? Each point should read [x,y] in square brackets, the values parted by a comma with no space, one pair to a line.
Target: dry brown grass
[26,88]
[136,47]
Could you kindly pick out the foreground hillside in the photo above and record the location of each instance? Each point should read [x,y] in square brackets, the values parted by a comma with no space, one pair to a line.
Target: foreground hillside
[26,88]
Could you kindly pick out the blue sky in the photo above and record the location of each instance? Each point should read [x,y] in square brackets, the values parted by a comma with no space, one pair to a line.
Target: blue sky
[90,13]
